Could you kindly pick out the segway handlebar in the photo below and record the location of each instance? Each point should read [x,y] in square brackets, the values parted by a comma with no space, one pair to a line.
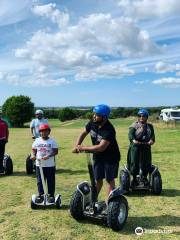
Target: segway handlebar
[142,143]
[83,151]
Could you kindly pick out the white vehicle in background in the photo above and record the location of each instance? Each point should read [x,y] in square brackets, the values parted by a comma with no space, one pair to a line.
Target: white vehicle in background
[169,114]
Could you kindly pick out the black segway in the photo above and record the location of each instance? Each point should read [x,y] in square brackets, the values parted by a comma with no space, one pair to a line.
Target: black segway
[7,165]
[153,183]
[30,165]
[84,203]
[45,203]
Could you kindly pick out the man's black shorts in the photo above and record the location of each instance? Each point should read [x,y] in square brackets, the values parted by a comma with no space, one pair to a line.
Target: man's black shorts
[104,170]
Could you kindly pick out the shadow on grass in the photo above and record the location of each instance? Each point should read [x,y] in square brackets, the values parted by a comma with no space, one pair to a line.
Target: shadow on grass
[40,208]
[164,193]
[163,152]
[70,171]
[58,171]
[23,173]
[170,192]
[154,222]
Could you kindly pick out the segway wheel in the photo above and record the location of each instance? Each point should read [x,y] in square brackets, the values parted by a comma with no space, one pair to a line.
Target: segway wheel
[59,203]
[117,213]
[124,180]
[76,206]
[8,165]
[29,165]
[157,183]
[33,205]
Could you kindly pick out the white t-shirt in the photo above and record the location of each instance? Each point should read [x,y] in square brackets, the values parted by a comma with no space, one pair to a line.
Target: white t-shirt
[44,148]
[35,123]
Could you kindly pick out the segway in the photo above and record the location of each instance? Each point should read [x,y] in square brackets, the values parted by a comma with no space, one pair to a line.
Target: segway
[30,164]
[45,203]
[153,183]
[84,203]
[7,165]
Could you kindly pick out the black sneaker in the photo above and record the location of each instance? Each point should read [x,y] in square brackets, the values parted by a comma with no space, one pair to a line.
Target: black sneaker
[146,182]
[2,170]
[100,206]
[134,183]
[39,199]
[51,199]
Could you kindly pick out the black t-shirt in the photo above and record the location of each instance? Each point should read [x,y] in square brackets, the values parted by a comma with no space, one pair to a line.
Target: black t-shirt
[107,132]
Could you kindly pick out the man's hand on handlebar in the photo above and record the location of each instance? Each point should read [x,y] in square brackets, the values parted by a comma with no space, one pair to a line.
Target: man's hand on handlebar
[78,149]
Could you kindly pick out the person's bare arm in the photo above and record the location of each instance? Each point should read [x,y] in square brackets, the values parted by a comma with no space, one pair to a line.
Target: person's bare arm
[80,140]
[81,137]
[33,154]
[101,147]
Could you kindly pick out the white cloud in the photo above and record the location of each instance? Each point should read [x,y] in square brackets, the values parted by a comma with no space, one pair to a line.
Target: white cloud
[164,67]
[112,70]
[33,80]
[42,80]
[82,49]
[170,82]
[50,11]
[12,79]
[144,9]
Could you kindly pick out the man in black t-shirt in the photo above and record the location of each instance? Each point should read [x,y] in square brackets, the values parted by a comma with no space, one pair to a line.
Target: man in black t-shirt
[106,154]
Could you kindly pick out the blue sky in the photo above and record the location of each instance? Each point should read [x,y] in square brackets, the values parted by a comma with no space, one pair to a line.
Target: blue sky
[85,52]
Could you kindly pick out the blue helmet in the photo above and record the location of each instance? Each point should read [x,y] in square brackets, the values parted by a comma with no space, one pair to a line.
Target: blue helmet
[102,110]
[143,112]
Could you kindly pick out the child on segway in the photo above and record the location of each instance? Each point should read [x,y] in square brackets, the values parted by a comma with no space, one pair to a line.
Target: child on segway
[44,150]
[34,127]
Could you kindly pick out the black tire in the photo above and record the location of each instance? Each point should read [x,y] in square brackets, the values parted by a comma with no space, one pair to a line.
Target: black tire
[157,183]
[76,206]
[29,165]
[124,180]
[58,203]
[33,205]
[8,165]
[117,213]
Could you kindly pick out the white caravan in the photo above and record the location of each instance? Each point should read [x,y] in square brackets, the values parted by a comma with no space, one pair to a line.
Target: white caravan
[168,114]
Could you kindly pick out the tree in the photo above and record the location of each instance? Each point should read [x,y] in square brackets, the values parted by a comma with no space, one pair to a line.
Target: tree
[66,114]
[19,109]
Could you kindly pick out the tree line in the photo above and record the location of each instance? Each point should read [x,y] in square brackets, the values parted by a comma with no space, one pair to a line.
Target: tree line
[18,110]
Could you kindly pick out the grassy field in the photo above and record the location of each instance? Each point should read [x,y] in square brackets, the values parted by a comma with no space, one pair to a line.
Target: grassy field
[18,221]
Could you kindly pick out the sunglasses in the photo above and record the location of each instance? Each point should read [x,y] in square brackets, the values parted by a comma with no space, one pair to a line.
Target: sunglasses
[141,115]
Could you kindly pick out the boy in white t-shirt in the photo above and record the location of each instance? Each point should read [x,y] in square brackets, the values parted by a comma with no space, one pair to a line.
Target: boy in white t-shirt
[44,149]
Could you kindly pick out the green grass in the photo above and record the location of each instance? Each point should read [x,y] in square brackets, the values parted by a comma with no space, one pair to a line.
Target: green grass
[18,221]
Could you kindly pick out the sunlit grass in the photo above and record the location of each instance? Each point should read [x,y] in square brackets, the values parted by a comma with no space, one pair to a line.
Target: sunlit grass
[18,221]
